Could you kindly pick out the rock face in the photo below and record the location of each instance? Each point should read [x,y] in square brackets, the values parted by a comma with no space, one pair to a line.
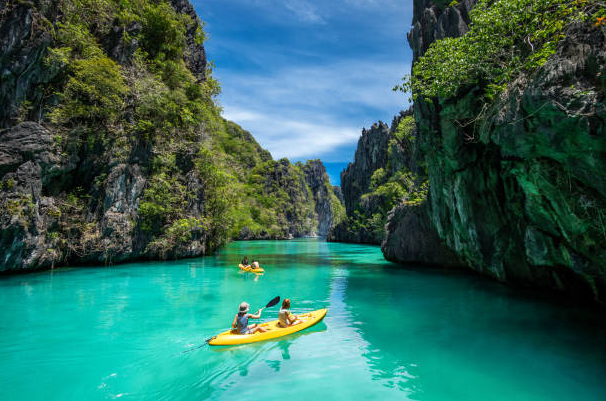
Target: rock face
[378,213]
[371,155]
[385,171]
[412,239]
[520,194]
[22,49]
[328,207]
[338,193]
[434,20]
[195,55]
[84,188]
[302,201]
[27,162]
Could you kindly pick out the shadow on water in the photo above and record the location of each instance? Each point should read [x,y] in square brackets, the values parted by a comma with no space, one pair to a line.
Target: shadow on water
[464,326]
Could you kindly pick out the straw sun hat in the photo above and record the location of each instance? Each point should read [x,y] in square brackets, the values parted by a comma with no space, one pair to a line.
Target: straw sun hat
[244,307]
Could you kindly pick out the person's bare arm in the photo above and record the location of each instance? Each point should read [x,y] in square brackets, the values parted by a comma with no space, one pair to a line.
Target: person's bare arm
[258,315]
[291,318]
[233,324]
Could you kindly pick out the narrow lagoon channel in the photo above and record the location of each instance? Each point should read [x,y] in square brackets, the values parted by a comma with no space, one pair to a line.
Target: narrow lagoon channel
[390,333]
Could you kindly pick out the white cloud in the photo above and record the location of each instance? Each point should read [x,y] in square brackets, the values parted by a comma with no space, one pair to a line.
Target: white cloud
[304,76]
[309,111]
[304,11]
[293,139]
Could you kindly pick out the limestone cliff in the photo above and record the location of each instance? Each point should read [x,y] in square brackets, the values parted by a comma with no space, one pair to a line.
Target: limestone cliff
[112,147]
[517,189]
[371,155]
[328,208]
[384,172]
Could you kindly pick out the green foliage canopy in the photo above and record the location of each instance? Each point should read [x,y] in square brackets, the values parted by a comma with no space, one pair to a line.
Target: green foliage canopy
[505,38]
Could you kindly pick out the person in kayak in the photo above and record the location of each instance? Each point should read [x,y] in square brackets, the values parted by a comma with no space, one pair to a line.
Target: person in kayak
[255,264]
[285,318]
[240,323]
[245,261]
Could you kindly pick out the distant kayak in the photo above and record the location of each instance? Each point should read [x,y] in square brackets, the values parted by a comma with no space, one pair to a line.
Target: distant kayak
[250,269]
[273,330]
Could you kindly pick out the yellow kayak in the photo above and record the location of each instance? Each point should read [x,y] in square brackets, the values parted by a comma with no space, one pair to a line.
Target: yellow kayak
[273,330]
[250,269]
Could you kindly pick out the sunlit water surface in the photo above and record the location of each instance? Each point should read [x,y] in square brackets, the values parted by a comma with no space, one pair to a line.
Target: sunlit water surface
[390,333]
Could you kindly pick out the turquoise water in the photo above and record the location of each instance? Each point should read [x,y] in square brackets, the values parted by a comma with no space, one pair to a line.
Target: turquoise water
[390,333]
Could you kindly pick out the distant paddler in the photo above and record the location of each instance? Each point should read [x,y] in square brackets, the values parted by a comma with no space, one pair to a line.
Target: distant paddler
[245,261]
[252,267]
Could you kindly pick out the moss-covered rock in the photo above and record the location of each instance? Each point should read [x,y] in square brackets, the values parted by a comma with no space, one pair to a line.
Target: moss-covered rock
[384,172]
[517,185]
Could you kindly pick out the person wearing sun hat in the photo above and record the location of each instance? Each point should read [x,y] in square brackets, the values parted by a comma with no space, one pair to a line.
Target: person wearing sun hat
[240,323]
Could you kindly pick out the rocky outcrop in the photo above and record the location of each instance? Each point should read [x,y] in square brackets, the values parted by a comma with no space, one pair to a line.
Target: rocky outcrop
[95,186]
[28,162]
[327,206]
[412,239]
[517,191]
[338,193]
[24,40]
[195,55]
[302,201]
[371,155]
[384,169]
[435,20]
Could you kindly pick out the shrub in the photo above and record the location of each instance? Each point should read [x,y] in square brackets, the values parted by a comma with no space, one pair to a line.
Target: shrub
[163,201]
[505,38]
[95,92]
[163,31]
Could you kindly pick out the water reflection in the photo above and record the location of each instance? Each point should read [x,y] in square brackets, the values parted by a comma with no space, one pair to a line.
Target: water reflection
[439,331]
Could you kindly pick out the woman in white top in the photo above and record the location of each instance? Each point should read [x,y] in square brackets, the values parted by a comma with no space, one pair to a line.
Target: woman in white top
[285,317]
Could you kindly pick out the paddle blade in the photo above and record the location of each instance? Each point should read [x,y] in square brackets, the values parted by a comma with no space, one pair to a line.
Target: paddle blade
[273,302]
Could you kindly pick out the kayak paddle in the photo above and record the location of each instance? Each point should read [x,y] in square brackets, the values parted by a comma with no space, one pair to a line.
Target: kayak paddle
[269,305]
[272,302]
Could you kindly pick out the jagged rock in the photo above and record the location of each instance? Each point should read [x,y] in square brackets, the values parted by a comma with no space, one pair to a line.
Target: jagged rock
[338,193]
[377,149]
[28,160]
[518,195]
[371,155]
[318,181]
[412,239]
[434,20]
[195,55]
[25,37]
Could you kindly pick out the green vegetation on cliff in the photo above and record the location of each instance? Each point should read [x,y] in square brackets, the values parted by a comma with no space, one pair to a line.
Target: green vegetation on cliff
[388,186]
[506,38]
[509,105]
[133,157]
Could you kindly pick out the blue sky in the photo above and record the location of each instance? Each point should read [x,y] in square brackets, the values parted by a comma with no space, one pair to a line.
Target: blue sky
[305,76]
